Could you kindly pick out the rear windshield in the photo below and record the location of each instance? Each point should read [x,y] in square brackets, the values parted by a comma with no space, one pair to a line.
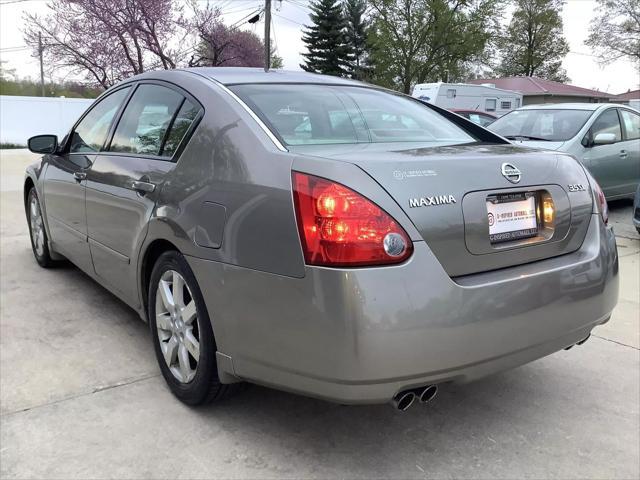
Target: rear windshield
[544,124]
[322,114]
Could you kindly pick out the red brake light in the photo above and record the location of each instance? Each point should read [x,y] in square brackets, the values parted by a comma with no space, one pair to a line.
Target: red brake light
[603,207]
[340,227]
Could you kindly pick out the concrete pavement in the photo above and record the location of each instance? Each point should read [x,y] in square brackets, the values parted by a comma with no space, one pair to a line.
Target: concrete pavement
[81,396]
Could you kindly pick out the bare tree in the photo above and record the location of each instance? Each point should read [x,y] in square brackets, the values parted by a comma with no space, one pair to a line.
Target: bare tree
[615,31]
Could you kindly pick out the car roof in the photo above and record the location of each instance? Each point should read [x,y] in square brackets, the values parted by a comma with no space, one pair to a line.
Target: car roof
[238,75]
[570,106]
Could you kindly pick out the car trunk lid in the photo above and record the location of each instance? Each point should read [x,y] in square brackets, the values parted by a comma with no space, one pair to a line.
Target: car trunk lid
[444,191]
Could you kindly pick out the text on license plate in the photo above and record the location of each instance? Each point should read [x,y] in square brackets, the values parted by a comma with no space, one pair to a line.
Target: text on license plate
[512,219]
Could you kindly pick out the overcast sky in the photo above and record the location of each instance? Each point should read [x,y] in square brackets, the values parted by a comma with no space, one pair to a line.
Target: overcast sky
[290,15]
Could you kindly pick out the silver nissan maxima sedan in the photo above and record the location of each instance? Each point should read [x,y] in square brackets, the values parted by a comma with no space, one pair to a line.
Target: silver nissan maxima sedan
[320,235]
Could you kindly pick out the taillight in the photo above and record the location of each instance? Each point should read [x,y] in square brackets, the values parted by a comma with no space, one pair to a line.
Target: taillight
[341,228]
[603,207]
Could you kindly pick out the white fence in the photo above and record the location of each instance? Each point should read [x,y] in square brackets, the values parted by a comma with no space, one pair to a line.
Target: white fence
[23,117]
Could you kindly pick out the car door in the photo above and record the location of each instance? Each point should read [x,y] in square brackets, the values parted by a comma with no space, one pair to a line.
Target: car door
[124,181]
[65,179]
[630,149]
[604,161]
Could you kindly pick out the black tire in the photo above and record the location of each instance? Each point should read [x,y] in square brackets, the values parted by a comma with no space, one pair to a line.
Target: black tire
[205,387]
[43,257]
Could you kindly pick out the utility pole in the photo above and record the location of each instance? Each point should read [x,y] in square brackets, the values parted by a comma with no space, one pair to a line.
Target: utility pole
[40,49]
[267,35]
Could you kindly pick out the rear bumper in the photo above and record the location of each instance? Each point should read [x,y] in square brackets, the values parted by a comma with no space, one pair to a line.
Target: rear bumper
[362,335]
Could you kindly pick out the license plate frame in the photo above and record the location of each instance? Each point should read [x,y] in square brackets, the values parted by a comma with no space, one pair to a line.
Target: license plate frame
[512,216]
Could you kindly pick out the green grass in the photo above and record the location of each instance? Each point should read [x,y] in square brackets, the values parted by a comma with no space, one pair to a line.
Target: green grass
[11,145]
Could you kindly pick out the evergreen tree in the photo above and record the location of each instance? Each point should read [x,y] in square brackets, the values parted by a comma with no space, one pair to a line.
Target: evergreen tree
[327,48]
[534,45]
[356,36]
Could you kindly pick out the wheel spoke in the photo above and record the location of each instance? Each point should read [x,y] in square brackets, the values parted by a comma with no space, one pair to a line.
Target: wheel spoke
[170,350]
[189,312]
[178,289]
[167,296]
[183,360]
[163,321]
[192,344]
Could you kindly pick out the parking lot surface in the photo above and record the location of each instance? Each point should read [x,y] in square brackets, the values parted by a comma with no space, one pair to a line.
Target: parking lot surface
[81,396]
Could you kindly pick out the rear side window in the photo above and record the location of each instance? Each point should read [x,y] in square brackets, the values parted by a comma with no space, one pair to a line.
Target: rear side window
[91,133]
[146,119]
[631,123]
[608,122]
[306,114]
[181,125]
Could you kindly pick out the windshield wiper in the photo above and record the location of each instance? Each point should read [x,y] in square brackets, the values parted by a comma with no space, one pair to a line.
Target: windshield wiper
[526,137]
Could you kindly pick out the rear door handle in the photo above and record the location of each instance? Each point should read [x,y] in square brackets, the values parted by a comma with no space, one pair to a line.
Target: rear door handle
[80,176]
[143,187]
[623,154]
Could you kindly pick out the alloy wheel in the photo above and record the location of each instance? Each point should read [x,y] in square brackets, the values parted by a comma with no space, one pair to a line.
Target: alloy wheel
[37,226]
[177,325]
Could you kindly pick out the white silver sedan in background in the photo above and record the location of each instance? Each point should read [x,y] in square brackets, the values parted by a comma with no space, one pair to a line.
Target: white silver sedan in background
[604,137]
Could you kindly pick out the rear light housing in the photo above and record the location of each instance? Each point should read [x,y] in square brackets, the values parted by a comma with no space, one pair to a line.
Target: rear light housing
[341,228]
[601,201]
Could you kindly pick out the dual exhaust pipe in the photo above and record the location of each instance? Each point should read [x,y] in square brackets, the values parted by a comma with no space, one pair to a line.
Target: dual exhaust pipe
[579,343]
[403,400]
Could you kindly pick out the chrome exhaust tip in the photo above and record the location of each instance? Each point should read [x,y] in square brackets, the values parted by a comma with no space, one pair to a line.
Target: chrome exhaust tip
[403,400]
[428,393]
[584,340]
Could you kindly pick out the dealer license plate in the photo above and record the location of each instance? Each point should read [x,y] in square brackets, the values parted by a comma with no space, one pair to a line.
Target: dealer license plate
[512,217]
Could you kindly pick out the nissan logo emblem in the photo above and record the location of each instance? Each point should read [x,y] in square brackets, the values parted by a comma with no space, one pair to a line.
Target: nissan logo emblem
[511,172]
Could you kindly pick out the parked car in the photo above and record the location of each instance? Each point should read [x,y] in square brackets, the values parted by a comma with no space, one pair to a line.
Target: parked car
[604,137]
[268,233]
[480,118]
[636,210]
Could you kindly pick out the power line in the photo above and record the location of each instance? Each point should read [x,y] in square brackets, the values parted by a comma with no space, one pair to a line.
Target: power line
[289,20]
[13,49]
[14,1]
[301,6]
[243,19]
[583,54]
[244,9]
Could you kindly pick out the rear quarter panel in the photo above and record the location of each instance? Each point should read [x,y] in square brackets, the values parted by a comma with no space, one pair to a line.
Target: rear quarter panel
[229,197]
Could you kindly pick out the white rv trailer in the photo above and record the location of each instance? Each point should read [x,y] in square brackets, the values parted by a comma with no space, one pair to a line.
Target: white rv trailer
[465,96]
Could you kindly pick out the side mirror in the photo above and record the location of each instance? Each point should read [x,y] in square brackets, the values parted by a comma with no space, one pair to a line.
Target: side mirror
[604,139]
[43,144]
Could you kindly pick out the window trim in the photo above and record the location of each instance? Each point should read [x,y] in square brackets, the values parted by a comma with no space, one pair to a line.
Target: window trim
[183,142]
[116,117]
[622,127]
[590,133]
